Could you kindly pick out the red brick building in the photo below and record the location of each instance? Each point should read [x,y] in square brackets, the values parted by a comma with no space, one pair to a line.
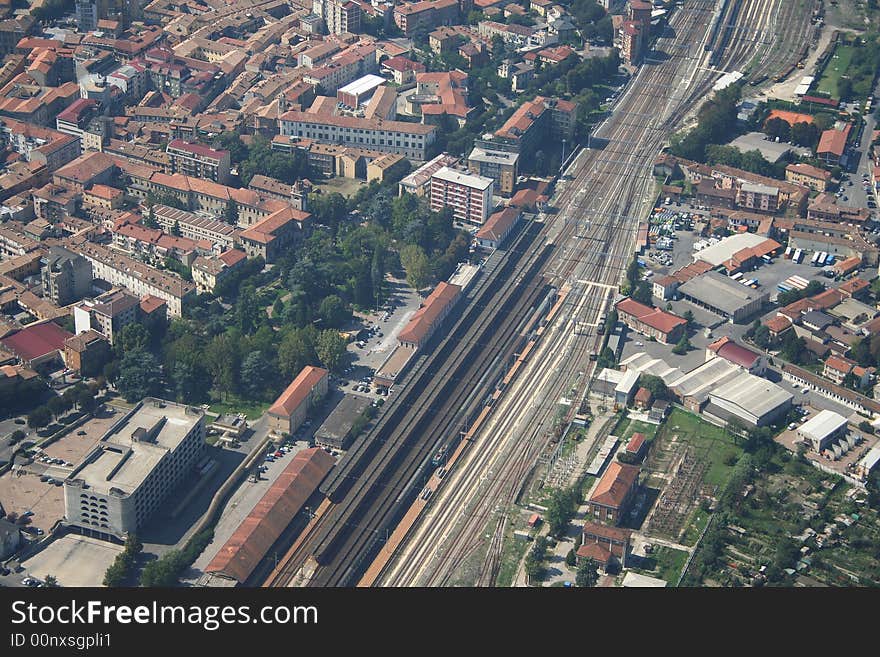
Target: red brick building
[662,326]
[613,494]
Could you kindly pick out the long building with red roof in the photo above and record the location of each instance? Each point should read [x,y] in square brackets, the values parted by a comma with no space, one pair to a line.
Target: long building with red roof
[661,325]
[292,406]
[258,532]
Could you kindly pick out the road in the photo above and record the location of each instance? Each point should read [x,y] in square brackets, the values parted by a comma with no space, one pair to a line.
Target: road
[601,200]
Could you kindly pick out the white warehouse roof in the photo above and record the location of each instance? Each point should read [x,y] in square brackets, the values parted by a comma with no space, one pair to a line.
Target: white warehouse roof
[822,425]
[726,248]
[753,394]
[363,85]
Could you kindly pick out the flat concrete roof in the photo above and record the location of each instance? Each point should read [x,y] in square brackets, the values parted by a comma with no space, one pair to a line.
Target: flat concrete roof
[335,428]
[719,291]
[122,461]
[821,425]
[727,247]
[496,157]
[461,178]
[753,394]
[395,363]
[75,561]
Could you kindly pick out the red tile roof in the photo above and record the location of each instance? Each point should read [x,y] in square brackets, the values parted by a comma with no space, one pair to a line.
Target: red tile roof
[595,551]
[853,285]
[297,391]
[832,141]
[733,352]
[643,395]
[615,485]
[778,324]
[654,317]
[244,550]
[498,224]
[605,531]
[196,149]
[232,257]
[150,304]
[635,443]
[36,340]
[839,364]
[425,317]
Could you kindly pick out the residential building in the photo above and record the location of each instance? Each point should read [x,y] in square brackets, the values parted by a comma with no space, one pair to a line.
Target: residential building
[403,70]
[468,196]
[837,368]
[419,181]
[536,122]
[269,237]
[429,316]
[66,276]
[103,196]
[758,197]
[196,226]
[632,42]
[412,140]
[140,279]
[832,145]
[500,166]
[659,324]
[39,145]
[86,353]
[108,313]
[340,16]
[199,161]
[127,477]
[289,411]
[613,494]
[809,176]
[425,15]
[438,94]
[208,271]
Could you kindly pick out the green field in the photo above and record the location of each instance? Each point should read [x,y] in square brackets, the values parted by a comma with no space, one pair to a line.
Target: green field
[665,563]
[710,441]
[834,69]
[253,410]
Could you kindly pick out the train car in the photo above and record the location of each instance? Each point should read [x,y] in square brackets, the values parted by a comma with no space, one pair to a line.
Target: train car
[440,457]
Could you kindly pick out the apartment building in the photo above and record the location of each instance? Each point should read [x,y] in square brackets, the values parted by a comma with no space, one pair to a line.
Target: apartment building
[425,15]
[500,166]
[108,313]
[138,278]
[412,140]
[128,475]
[340,16]
[271,236]
[38,144]
[66,276]
[196,227]
[208,271]
[199,161]
[809,176]
[468,196]
[755,196]
[537,121]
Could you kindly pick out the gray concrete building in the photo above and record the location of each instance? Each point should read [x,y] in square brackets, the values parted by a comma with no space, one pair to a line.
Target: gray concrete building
[129,474]
[66,276]
[724,297]
[754,401]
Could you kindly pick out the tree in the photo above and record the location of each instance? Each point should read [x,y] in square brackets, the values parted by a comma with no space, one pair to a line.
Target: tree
[561,509]
[133,337]
[39,417]
[51,582]
[230,213]
[655,385]
[57,406]
[777,127]
[175,229]
[139,375]
[150,220]
[805,134]
[683,346]
[256,372]
[416,264]
[642,293]
[18,435]
[844,89]
[586,574]
[333,312]
[689,318]
[330,348]
[293,354]
[736,429]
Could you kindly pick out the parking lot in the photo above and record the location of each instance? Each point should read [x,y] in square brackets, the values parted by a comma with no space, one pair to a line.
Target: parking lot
[73,560]
[790,440]
[240,504]
[21,492]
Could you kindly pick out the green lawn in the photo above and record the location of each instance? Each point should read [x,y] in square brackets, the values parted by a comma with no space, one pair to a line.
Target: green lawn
[667,564]
[253,410]
[836,67]
[710,441]
[638,426]
[698,522]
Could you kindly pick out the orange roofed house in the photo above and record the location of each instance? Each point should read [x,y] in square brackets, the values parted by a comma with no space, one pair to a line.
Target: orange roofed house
[427,318]
[661,325]
[291,408]
[613,494]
